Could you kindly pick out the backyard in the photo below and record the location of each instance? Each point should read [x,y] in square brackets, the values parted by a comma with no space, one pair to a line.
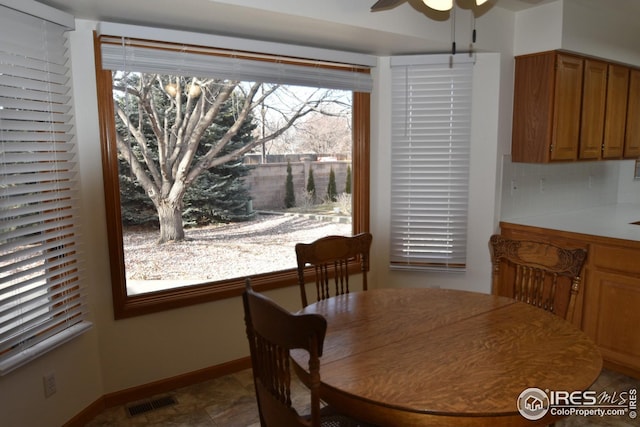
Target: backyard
[223,251]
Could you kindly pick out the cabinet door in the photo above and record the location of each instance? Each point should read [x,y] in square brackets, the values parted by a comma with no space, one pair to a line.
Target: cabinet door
[567,106]
[533,107]
[632,137]
[594,96]
[611,316]
[616,115]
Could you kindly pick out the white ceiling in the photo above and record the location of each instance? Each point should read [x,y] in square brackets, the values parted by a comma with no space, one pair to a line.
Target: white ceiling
[230,18]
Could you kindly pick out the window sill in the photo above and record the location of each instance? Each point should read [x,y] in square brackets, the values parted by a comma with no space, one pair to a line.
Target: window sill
[45,346]
[153,302]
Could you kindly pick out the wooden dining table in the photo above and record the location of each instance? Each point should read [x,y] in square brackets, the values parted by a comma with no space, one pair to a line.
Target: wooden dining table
[434,357]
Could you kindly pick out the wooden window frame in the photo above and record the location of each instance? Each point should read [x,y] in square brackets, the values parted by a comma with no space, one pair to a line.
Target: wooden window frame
[125,305]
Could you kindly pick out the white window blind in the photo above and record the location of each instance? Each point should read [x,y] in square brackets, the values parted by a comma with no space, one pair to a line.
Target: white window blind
[431,122]
[41,298]
[120,53]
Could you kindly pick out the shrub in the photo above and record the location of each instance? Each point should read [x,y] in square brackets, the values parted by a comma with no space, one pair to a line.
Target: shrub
[347,185]
[311,186]
[332,193]
[289,197]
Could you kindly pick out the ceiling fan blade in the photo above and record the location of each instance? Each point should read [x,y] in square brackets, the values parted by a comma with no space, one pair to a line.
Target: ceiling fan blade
[386,4]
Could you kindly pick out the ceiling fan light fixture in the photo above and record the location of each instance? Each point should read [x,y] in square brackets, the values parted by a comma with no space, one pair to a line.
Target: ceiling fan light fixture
[442,5]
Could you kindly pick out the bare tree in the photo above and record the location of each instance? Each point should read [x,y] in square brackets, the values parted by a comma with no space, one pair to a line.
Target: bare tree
[325,134]
[320,132]
[165,119]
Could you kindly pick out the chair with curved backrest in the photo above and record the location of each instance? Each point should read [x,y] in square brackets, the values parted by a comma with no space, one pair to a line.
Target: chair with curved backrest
[541,274]
[330,256]
[272,333]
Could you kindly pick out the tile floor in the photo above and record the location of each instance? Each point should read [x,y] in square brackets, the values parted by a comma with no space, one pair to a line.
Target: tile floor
[229,401]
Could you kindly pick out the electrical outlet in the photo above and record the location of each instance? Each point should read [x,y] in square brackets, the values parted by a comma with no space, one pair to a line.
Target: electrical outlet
[49,382]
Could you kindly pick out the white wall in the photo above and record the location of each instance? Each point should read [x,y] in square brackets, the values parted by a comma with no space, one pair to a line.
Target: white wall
[78,379]
[432,32]
[539,29]
[606,29]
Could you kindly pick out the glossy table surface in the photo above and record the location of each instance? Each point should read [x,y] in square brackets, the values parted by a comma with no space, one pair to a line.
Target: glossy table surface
[435,357]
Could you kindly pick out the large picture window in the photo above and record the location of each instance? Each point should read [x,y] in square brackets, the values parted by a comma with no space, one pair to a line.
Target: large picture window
[216,166]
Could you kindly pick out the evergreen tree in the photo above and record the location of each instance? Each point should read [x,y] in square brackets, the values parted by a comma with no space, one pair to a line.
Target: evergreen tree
[289,197]
[219,194]
[347,185]
[332,193]
[311,185]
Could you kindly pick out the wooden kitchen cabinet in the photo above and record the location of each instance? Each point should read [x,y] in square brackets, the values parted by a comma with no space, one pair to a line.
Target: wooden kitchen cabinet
[571,107]
[546,110]
[612,298]
[594,98]
[616,112]
[608,305]
[632,136]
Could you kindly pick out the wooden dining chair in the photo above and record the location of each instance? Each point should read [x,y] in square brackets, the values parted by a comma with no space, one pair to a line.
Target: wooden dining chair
[330,256]
[537,273]
[272,333]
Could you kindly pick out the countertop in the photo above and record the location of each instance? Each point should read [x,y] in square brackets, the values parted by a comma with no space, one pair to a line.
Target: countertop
[612,221]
